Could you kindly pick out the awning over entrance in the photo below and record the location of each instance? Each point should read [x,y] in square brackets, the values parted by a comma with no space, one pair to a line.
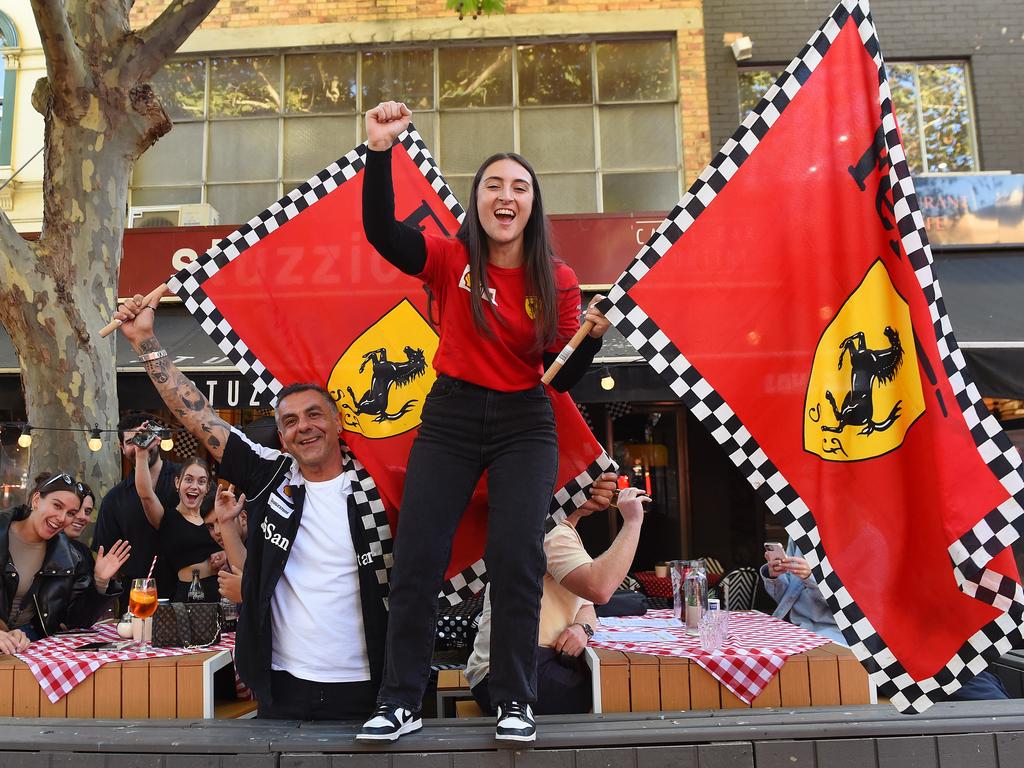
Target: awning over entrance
[983,290]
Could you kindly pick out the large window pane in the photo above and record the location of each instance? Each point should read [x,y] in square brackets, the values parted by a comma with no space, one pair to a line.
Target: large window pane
[903,85]
[166,195]
[181,87]
[468,138]
[320,82]
[237,203]
[406,76]
[475,77]
[946,117]
[568,192]
[460,187]
[638,136]
[424,124]
[754,83]
[640,191]
[177,158]
[639,70]
[312,143]
[558,139]
[241,150]
[245,85]
[555,74]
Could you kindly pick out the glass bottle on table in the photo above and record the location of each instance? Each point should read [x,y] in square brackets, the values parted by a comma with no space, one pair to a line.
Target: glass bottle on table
[142,601]
[695,596]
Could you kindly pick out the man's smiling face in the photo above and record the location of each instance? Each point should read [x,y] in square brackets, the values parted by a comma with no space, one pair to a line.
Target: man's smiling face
[309,427]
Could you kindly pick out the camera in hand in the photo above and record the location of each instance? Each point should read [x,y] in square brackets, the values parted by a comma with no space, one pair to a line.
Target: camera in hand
[145,438]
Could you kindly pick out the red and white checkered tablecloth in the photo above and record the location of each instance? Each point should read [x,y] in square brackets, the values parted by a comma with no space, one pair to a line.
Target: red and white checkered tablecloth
[757,647]
[58,668]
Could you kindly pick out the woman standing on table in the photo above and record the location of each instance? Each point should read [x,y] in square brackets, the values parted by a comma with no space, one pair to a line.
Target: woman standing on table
[507,306]
[46,583]
[183,540]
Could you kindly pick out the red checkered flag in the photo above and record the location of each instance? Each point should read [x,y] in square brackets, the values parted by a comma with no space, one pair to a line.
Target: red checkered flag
[818,352]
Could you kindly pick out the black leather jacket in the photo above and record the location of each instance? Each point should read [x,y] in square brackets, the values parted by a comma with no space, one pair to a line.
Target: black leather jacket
[63,590]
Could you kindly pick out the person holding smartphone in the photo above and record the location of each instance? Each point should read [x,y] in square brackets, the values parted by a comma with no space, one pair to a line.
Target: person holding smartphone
[787,578]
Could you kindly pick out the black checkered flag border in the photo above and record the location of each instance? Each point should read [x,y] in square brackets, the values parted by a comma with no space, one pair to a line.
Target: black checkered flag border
[976,548]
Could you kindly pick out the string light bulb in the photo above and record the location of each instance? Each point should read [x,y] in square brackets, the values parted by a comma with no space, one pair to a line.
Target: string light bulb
[25,440]
[607,381]
[167,443]
[95,442]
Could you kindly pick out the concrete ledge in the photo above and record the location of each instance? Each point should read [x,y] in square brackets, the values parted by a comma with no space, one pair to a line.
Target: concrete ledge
[990,733]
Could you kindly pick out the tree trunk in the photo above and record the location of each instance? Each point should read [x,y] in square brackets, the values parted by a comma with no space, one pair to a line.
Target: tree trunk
[100,115]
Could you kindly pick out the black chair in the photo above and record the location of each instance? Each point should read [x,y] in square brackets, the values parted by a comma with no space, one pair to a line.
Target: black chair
[742,584]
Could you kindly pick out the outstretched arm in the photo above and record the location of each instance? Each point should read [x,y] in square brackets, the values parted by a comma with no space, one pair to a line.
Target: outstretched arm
[182,397]
[144,486]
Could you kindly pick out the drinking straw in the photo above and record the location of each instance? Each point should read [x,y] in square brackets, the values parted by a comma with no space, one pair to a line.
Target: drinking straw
[151,567]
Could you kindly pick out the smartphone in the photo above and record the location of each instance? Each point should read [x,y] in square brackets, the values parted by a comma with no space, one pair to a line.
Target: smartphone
[105,646]
[774,550]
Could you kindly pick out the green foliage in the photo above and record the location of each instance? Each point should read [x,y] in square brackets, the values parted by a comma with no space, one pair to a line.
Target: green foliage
[474,8]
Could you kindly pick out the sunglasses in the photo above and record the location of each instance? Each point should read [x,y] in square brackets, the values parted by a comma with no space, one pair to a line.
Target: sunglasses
[68,482]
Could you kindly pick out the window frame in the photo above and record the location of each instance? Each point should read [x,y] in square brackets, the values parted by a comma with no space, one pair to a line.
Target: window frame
[432,124]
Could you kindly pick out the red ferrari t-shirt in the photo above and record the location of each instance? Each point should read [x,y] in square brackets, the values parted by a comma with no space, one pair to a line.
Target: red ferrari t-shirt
[505,361]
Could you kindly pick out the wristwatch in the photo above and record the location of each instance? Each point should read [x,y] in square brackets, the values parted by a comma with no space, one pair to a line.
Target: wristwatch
[589,630]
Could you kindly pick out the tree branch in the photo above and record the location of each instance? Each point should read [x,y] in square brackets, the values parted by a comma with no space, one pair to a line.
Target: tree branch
[65,68]
[12,245]
[164,36]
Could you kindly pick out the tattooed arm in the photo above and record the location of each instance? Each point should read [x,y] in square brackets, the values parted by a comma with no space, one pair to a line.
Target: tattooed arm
[179,393]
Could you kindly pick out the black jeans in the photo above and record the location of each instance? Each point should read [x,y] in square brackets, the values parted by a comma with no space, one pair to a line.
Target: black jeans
[465,430]
[564,686]
[298,699]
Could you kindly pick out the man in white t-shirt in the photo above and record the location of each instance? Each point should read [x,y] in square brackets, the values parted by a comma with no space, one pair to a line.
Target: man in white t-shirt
[574,582]
[310,641]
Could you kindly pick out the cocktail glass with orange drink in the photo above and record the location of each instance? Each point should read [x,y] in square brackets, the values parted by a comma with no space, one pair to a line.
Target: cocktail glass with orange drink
[142,600]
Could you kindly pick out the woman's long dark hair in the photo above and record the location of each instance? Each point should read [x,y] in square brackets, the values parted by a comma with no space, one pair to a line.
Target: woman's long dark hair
[538,260]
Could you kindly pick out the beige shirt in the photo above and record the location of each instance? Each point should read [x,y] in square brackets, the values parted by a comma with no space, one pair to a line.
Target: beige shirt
[27,559]
[558,606]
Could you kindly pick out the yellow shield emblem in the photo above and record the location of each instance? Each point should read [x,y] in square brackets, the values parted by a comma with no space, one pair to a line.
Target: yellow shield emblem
[381,380]
[865,388]
[532,306]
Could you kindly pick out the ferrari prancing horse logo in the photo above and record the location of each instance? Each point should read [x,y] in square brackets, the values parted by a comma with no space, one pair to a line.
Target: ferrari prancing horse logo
[864,391]
[379,393]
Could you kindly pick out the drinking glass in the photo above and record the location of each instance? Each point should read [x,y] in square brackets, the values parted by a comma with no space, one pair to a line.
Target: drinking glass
[142,600]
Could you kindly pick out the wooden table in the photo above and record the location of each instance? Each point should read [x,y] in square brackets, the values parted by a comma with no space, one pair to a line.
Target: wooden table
[169,687]
[634,682]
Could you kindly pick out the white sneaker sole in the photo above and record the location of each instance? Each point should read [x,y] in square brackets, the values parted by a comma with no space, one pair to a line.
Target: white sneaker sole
[407,728]
[514,737]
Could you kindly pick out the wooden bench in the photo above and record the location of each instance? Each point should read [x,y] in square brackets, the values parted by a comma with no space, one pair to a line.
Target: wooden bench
[168,687]
[634,682]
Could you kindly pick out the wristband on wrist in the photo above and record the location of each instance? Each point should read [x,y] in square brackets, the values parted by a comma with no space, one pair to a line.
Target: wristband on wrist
[150,356]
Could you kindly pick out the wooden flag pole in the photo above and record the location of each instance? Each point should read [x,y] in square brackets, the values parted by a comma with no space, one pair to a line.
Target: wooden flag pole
[150,300]
[569,348]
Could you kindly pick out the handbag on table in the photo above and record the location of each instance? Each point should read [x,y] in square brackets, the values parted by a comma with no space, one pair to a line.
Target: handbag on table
[186,625]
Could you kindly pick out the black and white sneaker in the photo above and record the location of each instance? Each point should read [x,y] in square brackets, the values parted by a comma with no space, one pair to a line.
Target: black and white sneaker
[388,723]
[515,722]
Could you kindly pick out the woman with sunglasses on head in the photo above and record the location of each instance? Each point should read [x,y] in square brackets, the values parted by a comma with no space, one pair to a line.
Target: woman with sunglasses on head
[507,307]
[102,563]
[46,583]
[183,538]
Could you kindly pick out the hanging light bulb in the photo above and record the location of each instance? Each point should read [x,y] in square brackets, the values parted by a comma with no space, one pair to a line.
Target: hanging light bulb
[607,381]
[166,442]
[95,443]
[26,436]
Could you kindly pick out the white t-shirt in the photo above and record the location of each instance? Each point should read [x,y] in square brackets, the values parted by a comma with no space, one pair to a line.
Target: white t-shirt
[316,612]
